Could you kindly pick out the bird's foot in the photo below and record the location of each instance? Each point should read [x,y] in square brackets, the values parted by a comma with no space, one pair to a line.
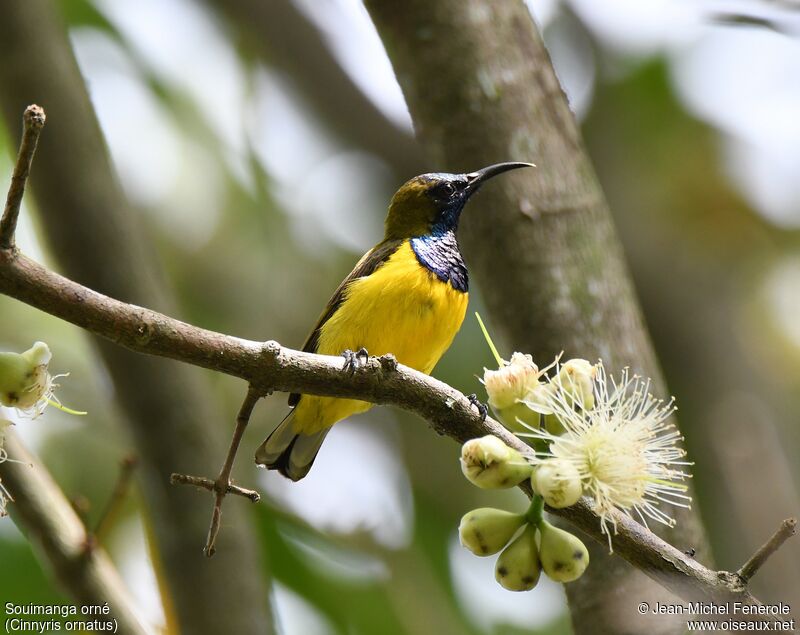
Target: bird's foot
[482,409]
[353,361]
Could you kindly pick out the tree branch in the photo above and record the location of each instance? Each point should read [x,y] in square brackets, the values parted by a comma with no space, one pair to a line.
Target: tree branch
[44,513]
[787,529]
[209,484]
[269,366]
[32,124]
[222,486]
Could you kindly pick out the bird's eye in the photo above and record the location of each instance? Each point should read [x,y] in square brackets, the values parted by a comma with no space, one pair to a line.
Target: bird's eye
[446,190]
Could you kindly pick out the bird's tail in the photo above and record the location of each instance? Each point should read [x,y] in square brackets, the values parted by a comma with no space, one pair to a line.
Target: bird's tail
[290,453]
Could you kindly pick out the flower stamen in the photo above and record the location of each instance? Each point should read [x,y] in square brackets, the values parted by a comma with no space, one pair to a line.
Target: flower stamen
[620,442]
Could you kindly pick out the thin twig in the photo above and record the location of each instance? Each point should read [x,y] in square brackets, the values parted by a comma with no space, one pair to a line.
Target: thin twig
[126,468]
[204,482]
[222,486]
[32,124]
[787,529]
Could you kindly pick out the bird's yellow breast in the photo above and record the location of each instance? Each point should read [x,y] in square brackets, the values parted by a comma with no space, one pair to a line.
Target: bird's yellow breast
[401,308]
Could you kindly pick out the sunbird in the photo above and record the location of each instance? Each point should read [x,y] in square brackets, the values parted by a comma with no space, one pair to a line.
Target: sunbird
[406,296]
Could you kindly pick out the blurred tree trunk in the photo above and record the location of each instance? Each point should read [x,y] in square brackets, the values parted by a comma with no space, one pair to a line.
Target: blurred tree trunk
[97,240]
[481,89]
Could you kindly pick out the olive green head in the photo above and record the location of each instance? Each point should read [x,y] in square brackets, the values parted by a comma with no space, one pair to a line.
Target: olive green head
[432,203]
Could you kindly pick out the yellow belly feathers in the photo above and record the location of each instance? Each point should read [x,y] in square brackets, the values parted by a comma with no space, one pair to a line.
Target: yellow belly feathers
[415,320]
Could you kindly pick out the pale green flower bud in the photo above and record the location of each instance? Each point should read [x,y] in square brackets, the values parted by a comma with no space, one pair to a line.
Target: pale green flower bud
[490,464]
[486,531]
[553,425]
[558,482]
[24,380]
[563,556]
[509,387]
[572,387]
[518,567]
[38,355]
[576,379]
[517,417]
[26,384]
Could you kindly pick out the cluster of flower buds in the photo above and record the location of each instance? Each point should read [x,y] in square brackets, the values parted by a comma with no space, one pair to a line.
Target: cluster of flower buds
[520,393]
[527,543]
[539,546]
[605,436]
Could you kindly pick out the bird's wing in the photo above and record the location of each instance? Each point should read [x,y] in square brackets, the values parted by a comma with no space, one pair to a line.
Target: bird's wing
[369,262]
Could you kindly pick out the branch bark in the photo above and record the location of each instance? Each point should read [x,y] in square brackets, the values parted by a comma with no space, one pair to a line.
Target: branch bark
[97,238]
[787,529]
[480,66]
[222,485]
[32,123]
[45,515]
[269,366]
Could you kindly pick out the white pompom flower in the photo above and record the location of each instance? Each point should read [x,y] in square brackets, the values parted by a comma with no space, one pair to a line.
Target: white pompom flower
[623,447]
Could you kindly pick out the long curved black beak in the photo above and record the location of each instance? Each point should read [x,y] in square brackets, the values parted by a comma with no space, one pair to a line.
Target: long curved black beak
[475,179]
